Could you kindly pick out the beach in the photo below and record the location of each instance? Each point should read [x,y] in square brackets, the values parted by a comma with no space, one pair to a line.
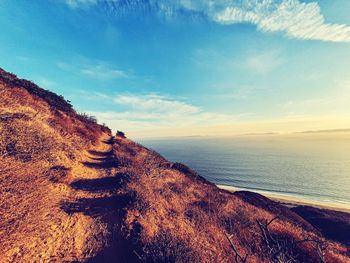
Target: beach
[291,201]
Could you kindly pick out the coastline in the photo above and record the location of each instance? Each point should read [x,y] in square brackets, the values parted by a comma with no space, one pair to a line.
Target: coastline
[291,201]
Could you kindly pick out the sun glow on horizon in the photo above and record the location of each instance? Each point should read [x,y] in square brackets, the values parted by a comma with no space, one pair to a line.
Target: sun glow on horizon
[331,125]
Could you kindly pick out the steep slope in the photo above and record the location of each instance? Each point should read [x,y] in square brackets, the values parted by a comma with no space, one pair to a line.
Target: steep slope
[177,216]
[43,148]
[70,192]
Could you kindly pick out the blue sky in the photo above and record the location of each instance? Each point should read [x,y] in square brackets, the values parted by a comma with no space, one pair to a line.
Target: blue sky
[187,67]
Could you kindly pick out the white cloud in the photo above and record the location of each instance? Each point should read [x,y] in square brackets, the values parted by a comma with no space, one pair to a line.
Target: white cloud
[103,72]
[80,3]
[46,83]
[152,110]
[335,100]
[263,63]
[153,102]
[179,118]
[65,66]
[100,71]
[293,18]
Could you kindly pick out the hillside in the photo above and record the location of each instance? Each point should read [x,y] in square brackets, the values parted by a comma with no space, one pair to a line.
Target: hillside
[72,192]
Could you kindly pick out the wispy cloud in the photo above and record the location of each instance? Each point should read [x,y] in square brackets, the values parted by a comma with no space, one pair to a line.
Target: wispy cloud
[293,18]
[100,71]
[46,83]
[263,63]
[103,72]
[156,103]
[336,101]
[152,115]
[153,110]
[80,3]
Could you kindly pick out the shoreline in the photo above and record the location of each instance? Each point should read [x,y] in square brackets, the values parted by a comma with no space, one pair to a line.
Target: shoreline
[291,201]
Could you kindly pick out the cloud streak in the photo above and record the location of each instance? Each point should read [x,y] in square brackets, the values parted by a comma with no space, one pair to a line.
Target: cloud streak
[335,102]
[156,103]
[153,115]
[99,71]
[292,18]
[80,3]
[153,110]
[263,63]
[103,72]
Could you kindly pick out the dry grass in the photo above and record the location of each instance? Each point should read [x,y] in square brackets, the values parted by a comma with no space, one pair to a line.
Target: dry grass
[177,216]
[43,145]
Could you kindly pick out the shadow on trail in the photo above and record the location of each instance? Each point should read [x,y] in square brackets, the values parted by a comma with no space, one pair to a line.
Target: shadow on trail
[109,141]
[98,185]
[105,164]
[101,207]
[103,154]
[109,210]
[101,160]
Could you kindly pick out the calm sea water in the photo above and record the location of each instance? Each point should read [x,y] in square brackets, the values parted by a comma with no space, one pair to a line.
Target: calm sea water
[307,167]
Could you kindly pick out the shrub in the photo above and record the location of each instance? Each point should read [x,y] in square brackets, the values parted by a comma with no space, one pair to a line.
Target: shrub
[120,134]
[168,248]
[84,117]
[57,173]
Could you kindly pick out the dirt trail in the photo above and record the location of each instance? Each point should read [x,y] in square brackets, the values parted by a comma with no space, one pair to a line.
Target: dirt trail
[78,220]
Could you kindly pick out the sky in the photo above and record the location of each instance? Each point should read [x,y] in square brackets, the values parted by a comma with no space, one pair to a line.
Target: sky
[158,68]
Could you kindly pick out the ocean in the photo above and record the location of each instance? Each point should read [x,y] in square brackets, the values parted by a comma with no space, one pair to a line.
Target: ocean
[308,167]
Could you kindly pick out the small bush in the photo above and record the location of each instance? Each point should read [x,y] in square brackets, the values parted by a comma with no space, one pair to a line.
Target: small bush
[57,173]
[168,248]
[120,134]
[189,172]
[24,143]
[84,117]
